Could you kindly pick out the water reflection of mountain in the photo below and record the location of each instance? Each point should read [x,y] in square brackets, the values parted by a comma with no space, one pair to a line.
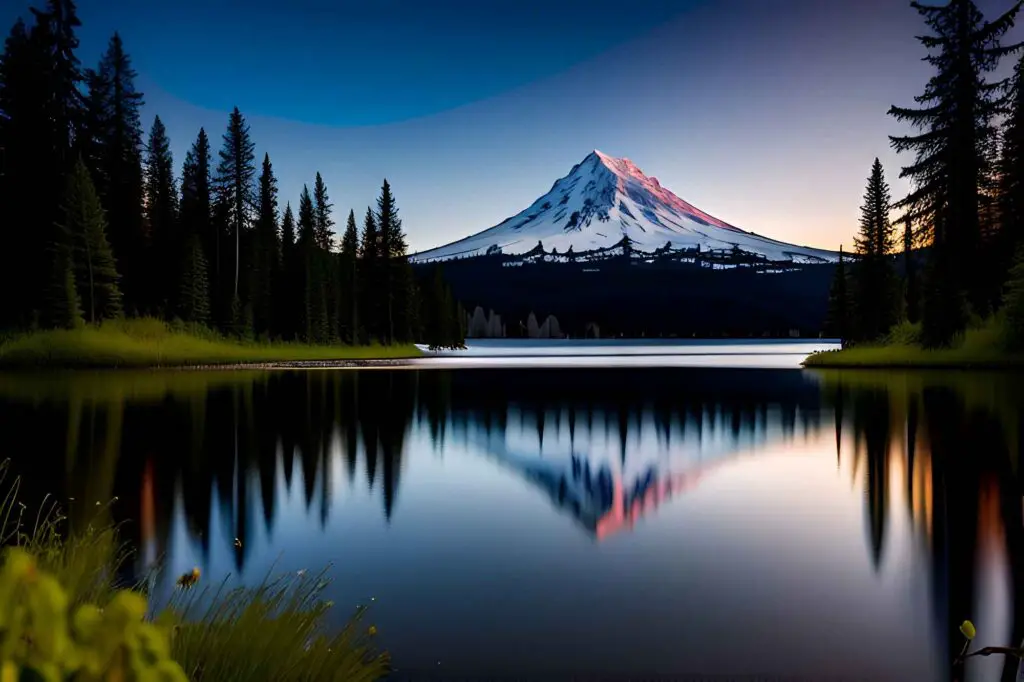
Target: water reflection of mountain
[603,447]
[225,438]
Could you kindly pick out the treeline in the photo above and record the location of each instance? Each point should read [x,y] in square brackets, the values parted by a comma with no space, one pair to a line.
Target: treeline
[97,224]
[965,212]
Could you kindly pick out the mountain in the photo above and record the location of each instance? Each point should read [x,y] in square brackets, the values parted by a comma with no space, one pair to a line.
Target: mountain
[604,200]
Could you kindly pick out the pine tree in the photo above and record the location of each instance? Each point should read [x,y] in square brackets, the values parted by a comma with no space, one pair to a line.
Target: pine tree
[285,293]
[267,249]
[40,115]
[61,305]
[162,215]
[54,35]
[1011,177]
[369,277]
[874,293]
[1013,306]
[322,210]
[93,263]
[329,267]
[234,184]
[953,161]
[196,199]
[314,306]
[21,104]
[395,275]
[837,320]
[911,288]
[193,292]
[350,278]
[437,324]
[115,141]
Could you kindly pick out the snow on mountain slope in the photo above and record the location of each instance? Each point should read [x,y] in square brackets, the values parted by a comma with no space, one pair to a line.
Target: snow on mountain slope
[603,199]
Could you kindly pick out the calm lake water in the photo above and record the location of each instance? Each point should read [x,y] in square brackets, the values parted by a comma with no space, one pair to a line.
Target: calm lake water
[537,519]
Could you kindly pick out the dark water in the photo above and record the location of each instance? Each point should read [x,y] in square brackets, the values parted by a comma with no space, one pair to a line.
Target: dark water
[618,521]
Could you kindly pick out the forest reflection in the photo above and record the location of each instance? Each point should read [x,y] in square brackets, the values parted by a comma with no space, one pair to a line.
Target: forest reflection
[605,448]
[948,446]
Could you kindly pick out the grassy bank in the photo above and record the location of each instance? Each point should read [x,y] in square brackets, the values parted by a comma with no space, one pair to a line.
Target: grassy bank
[153,343]
[58,585]
[979,347]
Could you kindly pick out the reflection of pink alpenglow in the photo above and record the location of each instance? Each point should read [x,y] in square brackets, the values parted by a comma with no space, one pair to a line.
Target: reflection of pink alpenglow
[627,510]
[597,499]
[604,200]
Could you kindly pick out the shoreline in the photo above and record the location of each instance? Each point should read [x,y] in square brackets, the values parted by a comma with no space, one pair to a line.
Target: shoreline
[910,358]
[363,363]
[153,344]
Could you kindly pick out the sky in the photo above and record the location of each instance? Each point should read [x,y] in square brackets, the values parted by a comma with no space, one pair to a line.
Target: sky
[764,113]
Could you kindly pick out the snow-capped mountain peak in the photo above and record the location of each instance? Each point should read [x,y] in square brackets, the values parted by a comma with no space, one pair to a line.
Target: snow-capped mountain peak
[604,199]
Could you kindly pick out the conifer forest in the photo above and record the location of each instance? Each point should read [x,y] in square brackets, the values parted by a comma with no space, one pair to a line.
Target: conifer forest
[101,222]
[949,254]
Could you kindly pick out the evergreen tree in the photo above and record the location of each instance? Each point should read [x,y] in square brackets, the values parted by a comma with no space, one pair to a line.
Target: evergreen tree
[196,199]
[193,289]
[1011,177]
[395,275]
[40,115]
[85,226]
[286,292]
[267,249]
[875,297]
[314,326]
[61,306]
[911,288]
[322,209]
[21,106]
[54,37]
[953,161]
[369,277]
[350,277]
[1013,305]
[329,267]
[443,326]
[114,134]
[162,216]
[837,320]
[438,325]
[234,184]
[287,229]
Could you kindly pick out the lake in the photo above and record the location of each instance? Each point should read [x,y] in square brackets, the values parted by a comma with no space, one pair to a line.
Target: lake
[556,509]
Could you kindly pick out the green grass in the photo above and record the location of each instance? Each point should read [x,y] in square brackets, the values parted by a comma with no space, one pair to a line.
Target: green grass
[979,347]
[149,342]
[275,632]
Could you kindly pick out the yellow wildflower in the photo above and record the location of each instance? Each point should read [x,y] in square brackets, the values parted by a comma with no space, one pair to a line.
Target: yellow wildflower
[967,628]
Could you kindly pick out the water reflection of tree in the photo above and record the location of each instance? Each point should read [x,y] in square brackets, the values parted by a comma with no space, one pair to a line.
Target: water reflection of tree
[957,431]
[224,438]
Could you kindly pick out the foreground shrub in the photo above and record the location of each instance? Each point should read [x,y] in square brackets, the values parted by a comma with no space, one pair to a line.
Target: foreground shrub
[904,334]
[63,618]
[43,638]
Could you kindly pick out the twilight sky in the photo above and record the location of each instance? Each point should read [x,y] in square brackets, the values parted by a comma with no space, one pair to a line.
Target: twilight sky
[764,113]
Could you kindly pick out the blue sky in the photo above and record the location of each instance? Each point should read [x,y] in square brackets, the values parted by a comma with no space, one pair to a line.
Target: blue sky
[764,113]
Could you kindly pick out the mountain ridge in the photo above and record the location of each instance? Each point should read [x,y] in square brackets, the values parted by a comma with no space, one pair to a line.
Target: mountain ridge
[604,200]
